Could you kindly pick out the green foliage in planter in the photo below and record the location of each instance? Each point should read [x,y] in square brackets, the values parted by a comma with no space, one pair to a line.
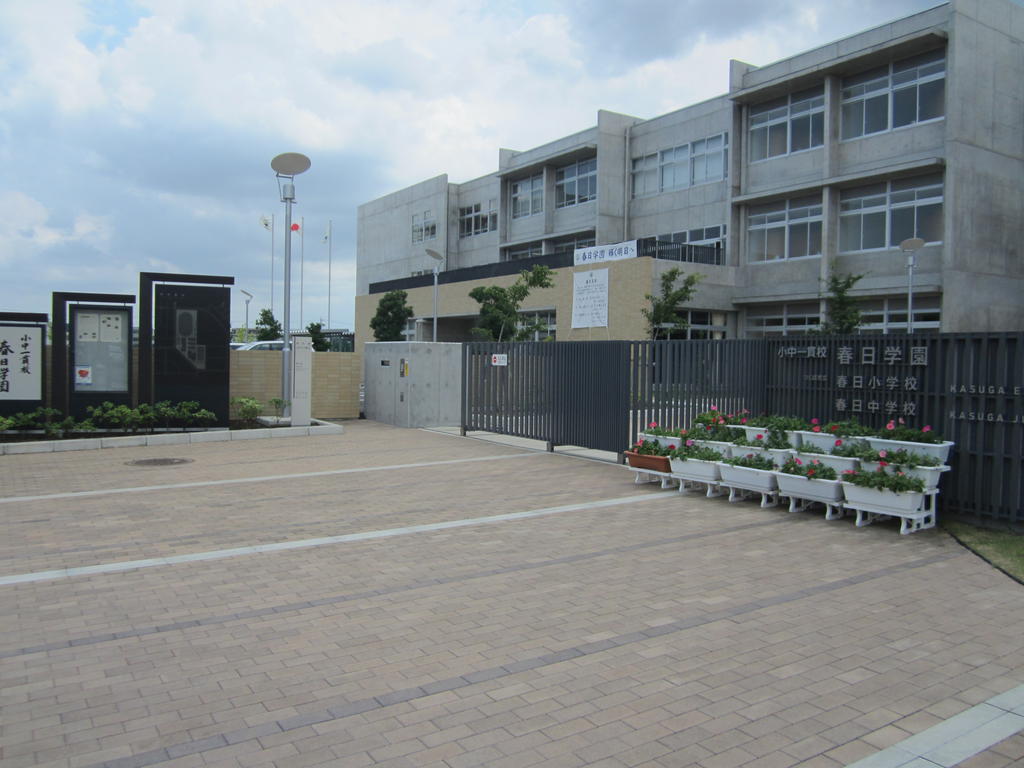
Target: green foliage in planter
[715,417]
[649,448]
[690,450]
[784,423]
[278,405]
[717,432]
[247,409]
[777,439]
[849,428]
[812,469]
[880,480]
[849,450]
[899,431]
[654,429]
[751,462]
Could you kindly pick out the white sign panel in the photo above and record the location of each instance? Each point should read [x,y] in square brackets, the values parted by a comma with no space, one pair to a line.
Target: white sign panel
[590,299]
[21,362]
[599,253]
[499,359]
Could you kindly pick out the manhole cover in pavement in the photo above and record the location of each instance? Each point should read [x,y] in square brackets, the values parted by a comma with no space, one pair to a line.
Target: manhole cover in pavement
[157,462]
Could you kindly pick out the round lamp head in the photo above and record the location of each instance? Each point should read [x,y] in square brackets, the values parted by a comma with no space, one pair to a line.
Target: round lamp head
[434,254]
[290,164]
[912,244]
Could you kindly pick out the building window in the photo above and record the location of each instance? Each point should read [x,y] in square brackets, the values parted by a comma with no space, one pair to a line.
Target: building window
[790,124]
[884,215]
[645,175]
[789,229]
[576,183]
[701,324]
[889,315]
[903,93]
[542,322]
[424,228]
[527,251]
[679,167]
[473,220]
[528,196]
[569,244]
[784,320]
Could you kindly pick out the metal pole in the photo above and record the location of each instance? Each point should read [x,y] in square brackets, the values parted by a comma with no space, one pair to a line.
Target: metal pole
[328,273]
[910,292]
[437,266]
[302,271]
[247,319]
[271,263]
[288,197]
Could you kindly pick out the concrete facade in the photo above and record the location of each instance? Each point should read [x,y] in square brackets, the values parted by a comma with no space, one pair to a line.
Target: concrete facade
[825,161]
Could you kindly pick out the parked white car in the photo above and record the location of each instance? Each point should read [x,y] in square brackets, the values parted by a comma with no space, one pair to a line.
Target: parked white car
[276,345]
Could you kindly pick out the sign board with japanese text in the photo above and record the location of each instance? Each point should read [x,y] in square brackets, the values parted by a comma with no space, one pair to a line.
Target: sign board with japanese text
[599,253]
[499,360]
[590,299]
[21,366]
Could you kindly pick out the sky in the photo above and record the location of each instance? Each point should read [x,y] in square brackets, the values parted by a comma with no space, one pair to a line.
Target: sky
[137,135]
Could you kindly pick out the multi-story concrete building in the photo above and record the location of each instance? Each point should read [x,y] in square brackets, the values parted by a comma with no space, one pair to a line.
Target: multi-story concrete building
[908,133]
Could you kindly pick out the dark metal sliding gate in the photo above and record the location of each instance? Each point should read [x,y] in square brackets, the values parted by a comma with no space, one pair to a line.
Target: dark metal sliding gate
[967,387]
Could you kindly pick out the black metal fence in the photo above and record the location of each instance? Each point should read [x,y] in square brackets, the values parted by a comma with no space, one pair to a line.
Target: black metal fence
[968,387]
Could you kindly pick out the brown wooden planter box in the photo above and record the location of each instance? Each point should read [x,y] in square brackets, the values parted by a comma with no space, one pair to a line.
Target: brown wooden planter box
[645,461]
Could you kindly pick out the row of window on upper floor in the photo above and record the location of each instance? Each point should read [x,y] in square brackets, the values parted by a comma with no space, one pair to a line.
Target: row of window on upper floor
[892,96]
[871,218]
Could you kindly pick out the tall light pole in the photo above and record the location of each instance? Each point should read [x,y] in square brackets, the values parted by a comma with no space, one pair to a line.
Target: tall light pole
[248,298]
[438,258]
[268,224]
[327,239]
[910,247]
[288,166]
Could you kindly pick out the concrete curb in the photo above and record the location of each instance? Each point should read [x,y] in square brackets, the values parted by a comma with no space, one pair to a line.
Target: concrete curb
[173,438]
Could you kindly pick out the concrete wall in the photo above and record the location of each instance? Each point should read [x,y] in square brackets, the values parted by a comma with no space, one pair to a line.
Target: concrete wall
[413,384]
[336,377]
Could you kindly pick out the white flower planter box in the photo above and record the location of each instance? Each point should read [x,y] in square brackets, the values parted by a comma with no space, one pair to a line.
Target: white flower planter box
[838,463]
[939,450]
[762,481]
[799,488]
[780,455]
[930,476]
[717,445]
[664,442]
[697,471]
[915,510]
[826,441]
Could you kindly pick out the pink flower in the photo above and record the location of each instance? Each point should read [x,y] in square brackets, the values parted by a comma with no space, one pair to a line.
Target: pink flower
[799,463]
[689,443]
[849,472]
[926,428]
[902,420]
[743,420]
[882,454]
[891,425]
[652,425]
[815,462]
[816,428]
[714,407]
[838,443]
[815,421]
[682,432]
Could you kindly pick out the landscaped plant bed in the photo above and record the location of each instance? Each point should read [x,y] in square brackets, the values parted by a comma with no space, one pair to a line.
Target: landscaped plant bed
[694,463]
[939,450]
[930,476]
[879,494]
[650,461]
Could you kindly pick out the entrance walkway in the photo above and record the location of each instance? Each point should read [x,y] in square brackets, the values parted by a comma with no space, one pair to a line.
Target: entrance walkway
[401,597]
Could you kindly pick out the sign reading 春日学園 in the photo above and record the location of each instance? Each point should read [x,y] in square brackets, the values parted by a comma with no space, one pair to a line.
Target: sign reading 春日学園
[598,253]
[21,369]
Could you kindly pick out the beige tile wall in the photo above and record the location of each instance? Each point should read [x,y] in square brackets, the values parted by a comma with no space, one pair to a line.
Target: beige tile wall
[336,378]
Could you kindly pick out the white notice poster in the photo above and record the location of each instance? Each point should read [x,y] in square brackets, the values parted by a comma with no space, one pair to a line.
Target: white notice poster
[590,299]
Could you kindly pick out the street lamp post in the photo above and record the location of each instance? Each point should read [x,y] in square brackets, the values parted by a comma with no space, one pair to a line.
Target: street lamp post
[910,247]
[288,166]
[438,258]
[248,298]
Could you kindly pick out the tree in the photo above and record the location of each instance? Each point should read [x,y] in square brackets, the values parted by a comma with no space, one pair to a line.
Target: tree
[499,307]
[320,341]
[267,326]
[842,314]
[392,315]
[662,317]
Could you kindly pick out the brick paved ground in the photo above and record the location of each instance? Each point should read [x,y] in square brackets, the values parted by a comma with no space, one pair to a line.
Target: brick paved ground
[655,630]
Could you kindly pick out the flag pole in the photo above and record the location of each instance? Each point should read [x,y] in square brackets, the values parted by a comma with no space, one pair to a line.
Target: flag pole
[302,267]
[328,238]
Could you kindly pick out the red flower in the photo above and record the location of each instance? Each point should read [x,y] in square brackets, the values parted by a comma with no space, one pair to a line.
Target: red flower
[838,443]
[682,432]
[833,428]
[652,425]
[816,428]
[759,437]
[671,447]
[743,420]
[810,472]
[849,472]
[883,464]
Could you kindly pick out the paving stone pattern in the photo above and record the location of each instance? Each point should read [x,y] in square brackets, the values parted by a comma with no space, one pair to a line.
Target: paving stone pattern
[666,631]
